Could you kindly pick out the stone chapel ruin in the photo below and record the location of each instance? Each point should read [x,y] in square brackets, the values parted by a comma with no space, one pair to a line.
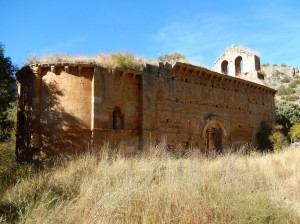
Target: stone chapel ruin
[67,107]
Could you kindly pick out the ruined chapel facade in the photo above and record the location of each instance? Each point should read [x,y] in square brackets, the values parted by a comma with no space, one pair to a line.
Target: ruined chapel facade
[69,107]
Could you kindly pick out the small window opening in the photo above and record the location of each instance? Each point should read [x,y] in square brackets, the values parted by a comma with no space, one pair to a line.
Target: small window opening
[260,76]
[118,119]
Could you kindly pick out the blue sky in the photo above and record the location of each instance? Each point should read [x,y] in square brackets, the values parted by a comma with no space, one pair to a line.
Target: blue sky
[199,29]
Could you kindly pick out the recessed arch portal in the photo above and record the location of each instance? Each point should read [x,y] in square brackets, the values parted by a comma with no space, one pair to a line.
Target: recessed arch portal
[214,132]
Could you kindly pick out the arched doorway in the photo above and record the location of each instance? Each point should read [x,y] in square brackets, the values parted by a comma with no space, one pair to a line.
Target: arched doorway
[214,133]
[214,140]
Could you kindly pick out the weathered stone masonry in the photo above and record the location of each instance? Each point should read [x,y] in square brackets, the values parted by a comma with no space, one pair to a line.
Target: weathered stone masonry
[66,108]
[240,62]
[186,103]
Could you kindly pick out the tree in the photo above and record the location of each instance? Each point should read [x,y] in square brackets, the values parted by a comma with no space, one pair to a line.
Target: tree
[287,114]
[7,94]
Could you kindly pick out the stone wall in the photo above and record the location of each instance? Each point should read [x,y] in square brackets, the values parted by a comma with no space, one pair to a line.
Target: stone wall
[66,109]
[69,108]
[117,108]
[185,98]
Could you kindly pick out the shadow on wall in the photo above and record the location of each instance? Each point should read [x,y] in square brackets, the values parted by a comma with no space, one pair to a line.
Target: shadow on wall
[44,127]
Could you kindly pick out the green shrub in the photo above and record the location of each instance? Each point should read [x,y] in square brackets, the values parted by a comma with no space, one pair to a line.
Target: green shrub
[173,57]
[293,84]
[294,132]
[290,97]
[287,114]
[266,65]
[285,80]
[283,65]
[275,65]
[10,170]
[281,90]
[124,60]
[277,139]
[277,73]
[289,90]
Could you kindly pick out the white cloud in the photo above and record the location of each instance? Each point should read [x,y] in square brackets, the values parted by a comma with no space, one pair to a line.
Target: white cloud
[195,38]
[270,30]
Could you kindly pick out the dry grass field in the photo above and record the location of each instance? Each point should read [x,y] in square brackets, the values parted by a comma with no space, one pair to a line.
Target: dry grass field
[159,188]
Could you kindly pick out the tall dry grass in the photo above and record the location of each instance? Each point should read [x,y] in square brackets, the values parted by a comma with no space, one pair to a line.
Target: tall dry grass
[109,61]
[159,188]
[123,60]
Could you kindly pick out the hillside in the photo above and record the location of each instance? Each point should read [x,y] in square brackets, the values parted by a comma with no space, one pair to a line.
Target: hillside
[285,79]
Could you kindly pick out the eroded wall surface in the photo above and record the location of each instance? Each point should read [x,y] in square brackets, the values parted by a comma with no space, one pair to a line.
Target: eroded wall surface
[178,104]
[67,109]
[117,109]
[55,108]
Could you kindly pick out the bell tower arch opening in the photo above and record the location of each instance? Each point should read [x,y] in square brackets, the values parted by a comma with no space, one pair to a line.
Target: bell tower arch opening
[224,67]
[238,62]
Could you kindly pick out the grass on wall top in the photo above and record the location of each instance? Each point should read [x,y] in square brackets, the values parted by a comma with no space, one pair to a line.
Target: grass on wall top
[123,60]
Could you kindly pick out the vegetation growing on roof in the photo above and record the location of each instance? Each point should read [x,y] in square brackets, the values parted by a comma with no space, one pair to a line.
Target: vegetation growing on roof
[123,60]
[173,57]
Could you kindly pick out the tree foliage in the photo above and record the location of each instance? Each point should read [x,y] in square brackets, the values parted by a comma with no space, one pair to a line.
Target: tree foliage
[287,114]
[7,94]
